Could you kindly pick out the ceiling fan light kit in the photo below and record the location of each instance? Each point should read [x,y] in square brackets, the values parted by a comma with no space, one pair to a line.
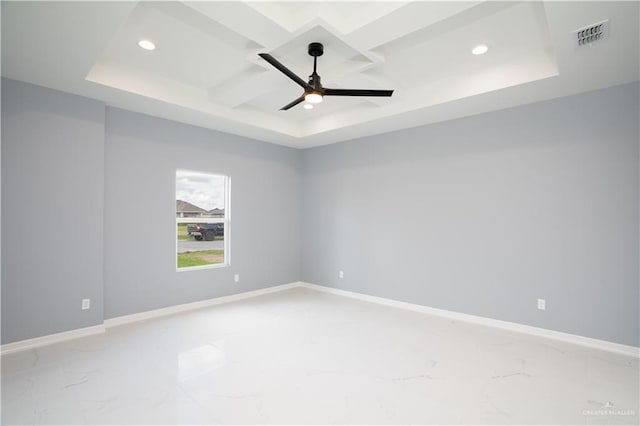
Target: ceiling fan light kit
[313,90]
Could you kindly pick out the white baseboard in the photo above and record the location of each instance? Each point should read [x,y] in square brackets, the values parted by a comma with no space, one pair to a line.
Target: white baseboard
[170,310]
[49,339]
[505,325]
[127,319]
[156,313]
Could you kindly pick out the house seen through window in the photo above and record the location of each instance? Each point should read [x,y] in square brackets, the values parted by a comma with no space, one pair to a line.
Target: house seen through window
[202,219]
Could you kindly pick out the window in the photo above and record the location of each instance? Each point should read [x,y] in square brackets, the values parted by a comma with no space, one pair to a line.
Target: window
[202,220]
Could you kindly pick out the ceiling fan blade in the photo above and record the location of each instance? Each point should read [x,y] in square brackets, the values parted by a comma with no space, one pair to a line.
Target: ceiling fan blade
[357,92]
[286,71]
[292,104]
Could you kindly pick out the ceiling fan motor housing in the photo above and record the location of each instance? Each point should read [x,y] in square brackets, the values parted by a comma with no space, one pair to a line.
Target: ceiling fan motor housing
[314,83]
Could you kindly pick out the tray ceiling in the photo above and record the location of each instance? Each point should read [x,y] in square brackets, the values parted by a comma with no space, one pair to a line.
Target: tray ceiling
[205,69]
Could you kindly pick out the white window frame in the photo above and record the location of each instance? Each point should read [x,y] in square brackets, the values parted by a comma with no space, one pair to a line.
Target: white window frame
[226,220]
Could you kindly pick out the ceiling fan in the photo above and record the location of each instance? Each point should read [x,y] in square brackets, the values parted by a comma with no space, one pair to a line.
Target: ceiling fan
[313,90]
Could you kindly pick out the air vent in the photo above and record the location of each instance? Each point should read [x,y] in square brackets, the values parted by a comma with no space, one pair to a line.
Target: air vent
[589,35]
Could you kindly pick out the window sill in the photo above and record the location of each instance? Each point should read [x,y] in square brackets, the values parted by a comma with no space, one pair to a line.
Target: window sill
[198,268]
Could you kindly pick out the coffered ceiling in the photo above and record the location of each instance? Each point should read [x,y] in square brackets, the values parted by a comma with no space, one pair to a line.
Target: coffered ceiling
[206,71]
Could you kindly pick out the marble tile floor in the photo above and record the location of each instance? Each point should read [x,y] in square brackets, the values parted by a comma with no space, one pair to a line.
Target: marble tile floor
[306,357]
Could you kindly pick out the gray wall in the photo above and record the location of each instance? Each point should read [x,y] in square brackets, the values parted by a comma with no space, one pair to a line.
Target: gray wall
[142,155]
[480,215]
[483,215]
[69,234]
[52,211]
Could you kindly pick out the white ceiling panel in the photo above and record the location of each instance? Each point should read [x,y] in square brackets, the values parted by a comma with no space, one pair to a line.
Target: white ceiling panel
[206,70]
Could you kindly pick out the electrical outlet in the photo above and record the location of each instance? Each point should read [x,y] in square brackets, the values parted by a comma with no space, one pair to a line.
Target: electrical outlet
[542,304]
[86,304]
[341,274]
[236,277]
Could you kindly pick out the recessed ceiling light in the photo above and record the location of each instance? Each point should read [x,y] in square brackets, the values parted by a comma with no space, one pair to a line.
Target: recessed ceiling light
[308,106]
[480,49]
[147,44]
